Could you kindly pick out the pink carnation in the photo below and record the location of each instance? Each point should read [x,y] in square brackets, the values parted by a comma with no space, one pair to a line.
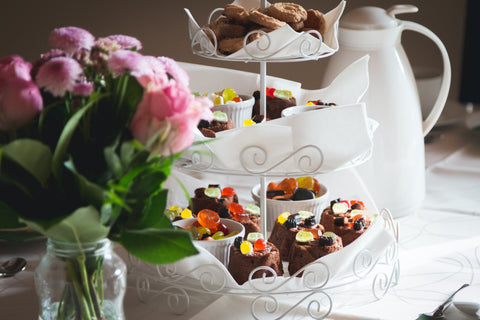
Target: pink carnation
[71,39]
[59,75]
[126,42]
[122,61]
[20,103]
[175,71]
[14,67]
[83,88]
[157,75]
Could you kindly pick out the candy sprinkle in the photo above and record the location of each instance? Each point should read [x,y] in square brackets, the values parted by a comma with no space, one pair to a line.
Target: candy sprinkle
[253,209]
[246,247]
[186,213]
[213,192]
[283,217]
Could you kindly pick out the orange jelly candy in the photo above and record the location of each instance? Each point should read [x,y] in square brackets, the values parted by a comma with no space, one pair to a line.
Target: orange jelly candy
[228,191]
[209,219]
[288,185]
[272,186]
[238,212]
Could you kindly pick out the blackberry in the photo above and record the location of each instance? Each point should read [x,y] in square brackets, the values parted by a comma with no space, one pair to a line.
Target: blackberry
[356,206]
[309,222]
[237,242]
[325,241]
[273,193]
[203,124]
[224,213]
[359,224]
[290,223]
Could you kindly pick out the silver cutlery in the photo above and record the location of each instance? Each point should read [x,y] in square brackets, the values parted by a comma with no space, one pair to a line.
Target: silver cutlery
[11,267]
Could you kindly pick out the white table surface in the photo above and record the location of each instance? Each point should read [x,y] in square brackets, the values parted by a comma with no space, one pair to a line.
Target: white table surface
[439,251]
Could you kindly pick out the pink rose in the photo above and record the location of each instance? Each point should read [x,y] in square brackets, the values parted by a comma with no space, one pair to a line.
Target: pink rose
[59,75]
[175,71]
[169,115]
[71,39]
[20,103]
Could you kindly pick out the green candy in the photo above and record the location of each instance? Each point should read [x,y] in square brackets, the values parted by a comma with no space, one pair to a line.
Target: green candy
[304,236]
[213,192]
[254,236]
[305,214]
[330,235]
[253,209]
[220,116]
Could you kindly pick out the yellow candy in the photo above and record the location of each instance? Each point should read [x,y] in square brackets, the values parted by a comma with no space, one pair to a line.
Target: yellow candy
[203,230]
[231,234]
[228,94]
[283,217]
[310,104]
[175,208]
[246,247]
[218,235]
[248,122]
[306,182]
[186,213]
[218,100]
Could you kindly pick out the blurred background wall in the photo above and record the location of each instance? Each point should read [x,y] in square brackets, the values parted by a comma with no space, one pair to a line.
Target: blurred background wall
[162,28]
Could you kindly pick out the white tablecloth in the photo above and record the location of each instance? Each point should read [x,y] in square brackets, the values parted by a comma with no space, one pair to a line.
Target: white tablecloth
[439,251]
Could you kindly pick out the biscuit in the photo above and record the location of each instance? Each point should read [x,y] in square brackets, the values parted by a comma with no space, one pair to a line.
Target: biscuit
[230,45]
[264,20]
[237,13]
[316,21]
[297,26]
[230,30]
[287,11]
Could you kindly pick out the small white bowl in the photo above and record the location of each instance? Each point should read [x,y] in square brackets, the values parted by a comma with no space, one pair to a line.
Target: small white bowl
[239,111]
[218,248]
[291,111]
[276,207]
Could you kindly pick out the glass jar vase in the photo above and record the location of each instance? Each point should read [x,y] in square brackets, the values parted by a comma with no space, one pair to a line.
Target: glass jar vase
[80,281]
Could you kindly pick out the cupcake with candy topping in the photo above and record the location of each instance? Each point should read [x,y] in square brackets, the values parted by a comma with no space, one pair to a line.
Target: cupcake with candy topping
[306,249]
[214,198]
[250,253]
[288,225]
[276,101]
[348,219]
[248,216]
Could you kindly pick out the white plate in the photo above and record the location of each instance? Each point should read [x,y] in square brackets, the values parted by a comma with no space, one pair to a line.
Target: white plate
[468,300]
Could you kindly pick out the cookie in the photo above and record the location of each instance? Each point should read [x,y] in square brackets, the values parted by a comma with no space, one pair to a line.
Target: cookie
[230,45]
[264,20]
[316,21]
[297,26]
[254,36]
[287,11]
[236,13]
[230,30]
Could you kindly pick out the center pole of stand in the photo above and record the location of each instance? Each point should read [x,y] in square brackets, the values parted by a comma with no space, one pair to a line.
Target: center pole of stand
[263,111]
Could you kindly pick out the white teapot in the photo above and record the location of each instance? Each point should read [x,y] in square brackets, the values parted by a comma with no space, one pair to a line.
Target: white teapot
[395,175]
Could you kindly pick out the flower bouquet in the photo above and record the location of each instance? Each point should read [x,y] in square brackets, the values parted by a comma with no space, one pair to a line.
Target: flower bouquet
[88,136]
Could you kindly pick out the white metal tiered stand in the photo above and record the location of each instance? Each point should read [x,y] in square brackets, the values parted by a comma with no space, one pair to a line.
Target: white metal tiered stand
[314,297]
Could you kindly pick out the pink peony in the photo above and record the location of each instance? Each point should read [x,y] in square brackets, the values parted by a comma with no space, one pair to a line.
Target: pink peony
[14,67]
[83,88]
[175,71]
[171,115]
[20,103]
[126,42]
[59,75]
[71,39]
[122,61]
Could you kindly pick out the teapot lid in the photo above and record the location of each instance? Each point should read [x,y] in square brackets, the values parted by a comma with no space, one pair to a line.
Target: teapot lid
[374,18]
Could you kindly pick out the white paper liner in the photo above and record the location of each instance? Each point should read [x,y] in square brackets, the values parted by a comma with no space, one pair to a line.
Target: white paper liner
[314,141]
[281,44]
[341,267]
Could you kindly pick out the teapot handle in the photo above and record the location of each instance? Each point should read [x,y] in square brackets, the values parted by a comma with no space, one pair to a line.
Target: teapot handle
[434,114]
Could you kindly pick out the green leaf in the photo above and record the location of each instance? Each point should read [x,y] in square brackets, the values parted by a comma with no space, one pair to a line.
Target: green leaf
[9,217]
[83,225]
[158,246]
[113,161]
[33,156]
[60,153]
[153,212]
[19,235]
